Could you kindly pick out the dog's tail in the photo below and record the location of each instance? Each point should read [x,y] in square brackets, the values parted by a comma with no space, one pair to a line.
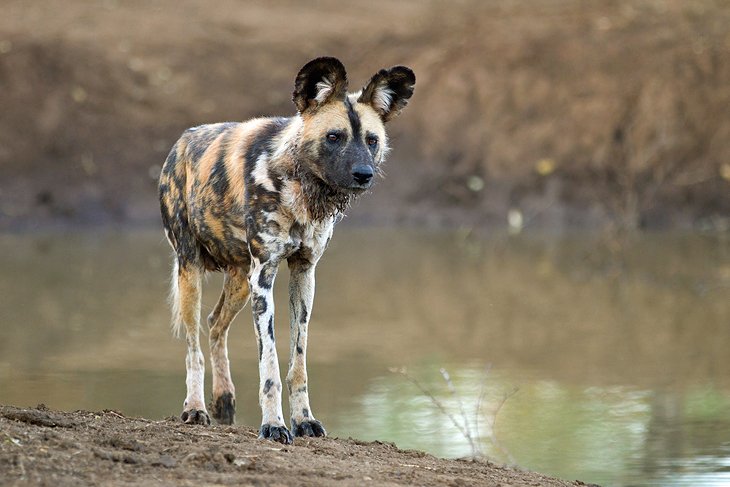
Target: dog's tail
[174,300]
[172,208]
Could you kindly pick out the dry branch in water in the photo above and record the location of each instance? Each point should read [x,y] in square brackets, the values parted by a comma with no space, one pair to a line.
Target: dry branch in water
[464,428]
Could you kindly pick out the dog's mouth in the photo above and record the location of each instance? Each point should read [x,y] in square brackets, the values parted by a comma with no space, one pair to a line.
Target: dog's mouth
[336,189]
[356,188]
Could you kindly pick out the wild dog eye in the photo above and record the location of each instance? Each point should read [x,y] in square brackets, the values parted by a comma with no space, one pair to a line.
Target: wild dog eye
[372,141]
[333,137]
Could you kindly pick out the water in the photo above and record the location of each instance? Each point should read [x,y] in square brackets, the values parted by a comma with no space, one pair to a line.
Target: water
[618,348]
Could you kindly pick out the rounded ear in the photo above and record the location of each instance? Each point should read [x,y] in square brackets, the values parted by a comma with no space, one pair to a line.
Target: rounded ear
[320,81]
[389,90]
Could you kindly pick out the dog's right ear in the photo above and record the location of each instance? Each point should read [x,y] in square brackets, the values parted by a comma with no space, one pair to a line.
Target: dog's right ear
[320,81]
[389,90]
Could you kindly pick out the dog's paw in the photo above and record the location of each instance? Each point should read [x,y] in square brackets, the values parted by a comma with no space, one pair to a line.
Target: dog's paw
[223,408]
[195,416]
[309,427]
[276,433]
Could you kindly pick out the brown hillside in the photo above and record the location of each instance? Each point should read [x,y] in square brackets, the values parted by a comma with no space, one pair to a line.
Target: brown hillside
[574,112]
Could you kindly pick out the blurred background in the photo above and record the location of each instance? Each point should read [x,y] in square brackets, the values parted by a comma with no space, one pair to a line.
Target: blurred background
[556,206]
[573,112]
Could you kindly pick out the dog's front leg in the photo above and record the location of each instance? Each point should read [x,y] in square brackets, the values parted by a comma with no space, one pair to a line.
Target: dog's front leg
[261,282]
[301,297]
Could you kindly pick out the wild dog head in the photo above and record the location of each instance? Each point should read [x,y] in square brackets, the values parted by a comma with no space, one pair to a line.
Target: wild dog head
[343,139]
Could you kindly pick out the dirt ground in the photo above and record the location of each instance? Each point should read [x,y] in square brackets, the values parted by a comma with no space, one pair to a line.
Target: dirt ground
[39,446]
[573,112]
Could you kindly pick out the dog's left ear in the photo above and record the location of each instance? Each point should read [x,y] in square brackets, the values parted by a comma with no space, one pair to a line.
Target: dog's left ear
[320,81]
[389,90]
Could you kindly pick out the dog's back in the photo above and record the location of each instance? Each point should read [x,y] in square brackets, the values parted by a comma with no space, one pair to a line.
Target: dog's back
[202,191]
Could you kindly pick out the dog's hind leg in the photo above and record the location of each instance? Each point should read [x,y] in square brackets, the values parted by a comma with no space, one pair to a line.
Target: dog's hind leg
[301,298]
[186,302]
[233,298]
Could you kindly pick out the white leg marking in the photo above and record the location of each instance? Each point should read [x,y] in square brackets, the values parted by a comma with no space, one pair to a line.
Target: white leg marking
[263,315]
[301,298]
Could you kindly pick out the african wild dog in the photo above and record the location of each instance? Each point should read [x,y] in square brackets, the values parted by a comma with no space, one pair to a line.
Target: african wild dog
[241,197]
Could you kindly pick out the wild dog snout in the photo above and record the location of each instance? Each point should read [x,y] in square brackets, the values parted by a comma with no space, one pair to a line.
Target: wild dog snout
[362,175]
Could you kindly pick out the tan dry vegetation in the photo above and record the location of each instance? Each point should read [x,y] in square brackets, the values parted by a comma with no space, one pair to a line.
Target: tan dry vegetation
[577,112]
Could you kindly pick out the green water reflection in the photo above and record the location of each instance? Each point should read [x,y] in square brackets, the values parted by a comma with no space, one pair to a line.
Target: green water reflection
[618,348]
[611,435]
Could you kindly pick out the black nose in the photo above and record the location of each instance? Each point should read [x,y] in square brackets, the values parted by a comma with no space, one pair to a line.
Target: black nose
[362,174]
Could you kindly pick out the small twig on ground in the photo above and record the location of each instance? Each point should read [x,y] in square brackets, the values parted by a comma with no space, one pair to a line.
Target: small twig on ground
[114,413]
[13,440]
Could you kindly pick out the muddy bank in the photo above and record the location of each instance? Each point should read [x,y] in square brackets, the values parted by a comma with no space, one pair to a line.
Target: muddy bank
[45,447]
[574,113]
